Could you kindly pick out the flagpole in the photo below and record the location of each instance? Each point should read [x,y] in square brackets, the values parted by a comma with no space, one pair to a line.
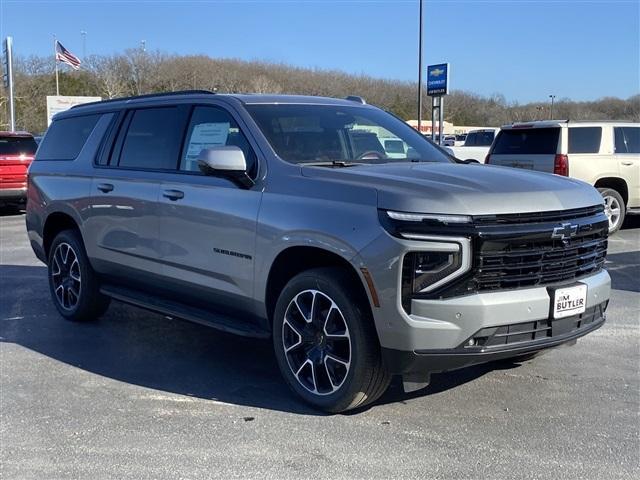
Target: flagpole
[55,59]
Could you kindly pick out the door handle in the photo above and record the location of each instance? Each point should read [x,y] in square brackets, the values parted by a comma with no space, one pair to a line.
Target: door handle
[173,194]
[105,187]
[627,164]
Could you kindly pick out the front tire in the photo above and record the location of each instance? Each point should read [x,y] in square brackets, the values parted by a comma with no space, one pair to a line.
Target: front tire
[614,207]
[325,342]
[74,286]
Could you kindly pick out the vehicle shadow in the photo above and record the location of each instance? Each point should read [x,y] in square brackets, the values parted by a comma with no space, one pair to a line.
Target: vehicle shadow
[138,347]
[624,268]
[630,222]
[11,210]
[441,382]
[142,348]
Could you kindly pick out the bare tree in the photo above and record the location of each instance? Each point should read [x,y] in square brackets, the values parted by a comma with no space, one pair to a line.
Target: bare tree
[136,71]
[112,74]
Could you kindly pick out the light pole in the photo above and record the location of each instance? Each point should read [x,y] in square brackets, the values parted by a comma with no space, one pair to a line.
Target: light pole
[420,69]
[83,34]
[143,45]
[552,97]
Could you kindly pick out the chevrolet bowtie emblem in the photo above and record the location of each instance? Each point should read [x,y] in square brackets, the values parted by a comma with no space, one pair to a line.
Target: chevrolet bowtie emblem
[566,230]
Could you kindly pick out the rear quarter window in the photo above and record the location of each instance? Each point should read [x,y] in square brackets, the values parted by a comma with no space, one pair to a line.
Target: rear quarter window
[66,137]
[584,139]
[627,139]
[531,141]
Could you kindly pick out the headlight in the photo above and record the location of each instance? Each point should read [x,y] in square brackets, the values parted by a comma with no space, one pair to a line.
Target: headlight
[401,224]
[426,217]
[434,264]
[430,268]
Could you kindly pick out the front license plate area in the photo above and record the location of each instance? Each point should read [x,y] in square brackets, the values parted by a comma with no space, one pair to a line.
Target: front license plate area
[569,301]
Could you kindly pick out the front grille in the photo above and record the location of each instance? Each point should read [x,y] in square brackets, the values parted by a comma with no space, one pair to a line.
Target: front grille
[516,263]
[538,217]
[519,251]
[516,333]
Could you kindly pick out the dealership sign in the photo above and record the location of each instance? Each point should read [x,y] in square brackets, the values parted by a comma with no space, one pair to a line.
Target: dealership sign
[59,103]
[438,80]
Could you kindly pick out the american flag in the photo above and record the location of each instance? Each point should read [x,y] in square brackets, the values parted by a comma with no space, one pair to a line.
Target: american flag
[65,56]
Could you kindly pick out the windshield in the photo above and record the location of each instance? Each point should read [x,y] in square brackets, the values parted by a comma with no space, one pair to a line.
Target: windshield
[306,134]
[17,146]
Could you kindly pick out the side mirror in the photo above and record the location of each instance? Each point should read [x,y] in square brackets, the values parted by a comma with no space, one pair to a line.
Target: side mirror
[225,161]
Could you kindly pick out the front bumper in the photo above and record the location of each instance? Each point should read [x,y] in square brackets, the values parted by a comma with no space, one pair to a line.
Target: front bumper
[433,361]
[445,323]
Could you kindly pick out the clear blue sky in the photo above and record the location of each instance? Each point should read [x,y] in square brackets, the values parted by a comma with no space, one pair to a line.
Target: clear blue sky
[523,49]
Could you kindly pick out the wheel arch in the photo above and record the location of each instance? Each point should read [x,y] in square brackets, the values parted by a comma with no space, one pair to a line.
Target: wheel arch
[55,223]
[297,259]
[616,183]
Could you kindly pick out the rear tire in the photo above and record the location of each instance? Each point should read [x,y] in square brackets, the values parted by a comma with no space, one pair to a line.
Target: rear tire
[74,286]
[614,207]
[325,342]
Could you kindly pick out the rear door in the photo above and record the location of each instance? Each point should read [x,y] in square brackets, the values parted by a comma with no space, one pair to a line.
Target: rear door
[627,154]
[208,224]
[122,222]
[532,148]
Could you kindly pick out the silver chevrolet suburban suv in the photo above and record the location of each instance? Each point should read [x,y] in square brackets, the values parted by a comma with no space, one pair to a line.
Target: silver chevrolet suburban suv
[282,217]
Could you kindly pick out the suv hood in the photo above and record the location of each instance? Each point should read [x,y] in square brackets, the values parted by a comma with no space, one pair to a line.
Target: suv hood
[465,189]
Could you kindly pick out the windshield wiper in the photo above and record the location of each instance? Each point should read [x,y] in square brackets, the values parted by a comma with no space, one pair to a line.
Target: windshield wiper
[331,163]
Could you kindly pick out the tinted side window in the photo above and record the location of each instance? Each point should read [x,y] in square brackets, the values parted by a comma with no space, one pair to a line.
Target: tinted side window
[627,139]
[584,139]
[65,138]
[153,139]
[471,139]
[210,127]
[394,146]
[485,139]
[532,141]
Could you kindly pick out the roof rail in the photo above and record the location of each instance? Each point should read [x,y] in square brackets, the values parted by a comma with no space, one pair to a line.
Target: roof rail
[148,95]
[355,98]
[552,120]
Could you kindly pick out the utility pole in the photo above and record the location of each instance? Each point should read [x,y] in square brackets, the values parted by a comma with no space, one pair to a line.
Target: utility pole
[83,34]
[552,97]
[7,61]
[143,45]
[420,69]
[55,59]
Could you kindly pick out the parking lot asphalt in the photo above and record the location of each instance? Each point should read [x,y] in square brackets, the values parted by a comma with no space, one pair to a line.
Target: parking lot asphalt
[135,395]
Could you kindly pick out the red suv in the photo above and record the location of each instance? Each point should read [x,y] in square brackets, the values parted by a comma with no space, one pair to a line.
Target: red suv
[17,150]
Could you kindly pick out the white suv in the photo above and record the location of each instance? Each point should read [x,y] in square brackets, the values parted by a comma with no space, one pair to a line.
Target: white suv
[603,154]
[476,145]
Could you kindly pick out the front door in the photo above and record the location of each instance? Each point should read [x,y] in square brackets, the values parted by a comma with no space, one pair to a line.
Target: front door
[208,224]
